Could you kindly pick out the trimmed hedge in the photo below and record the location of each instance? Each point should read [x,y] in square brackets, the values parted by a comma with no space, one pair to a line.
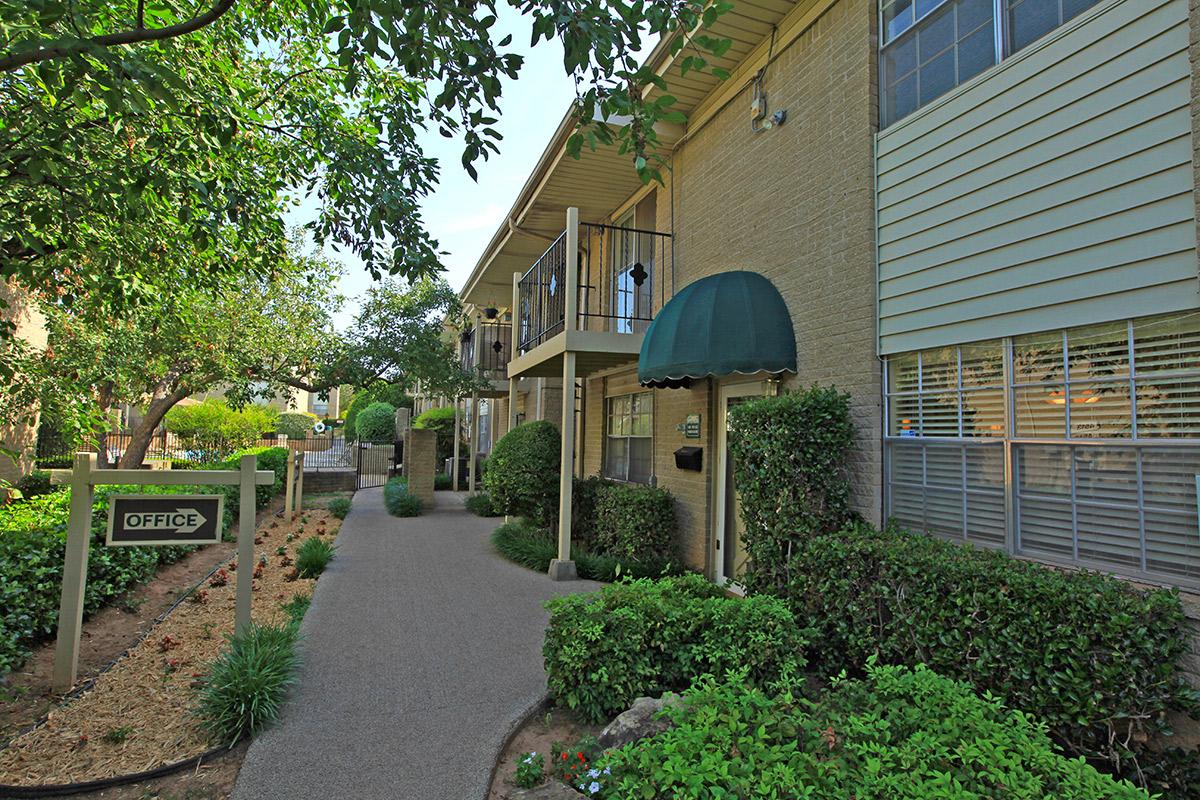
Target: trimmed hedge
[900,734]
[523,470]
[635,522]
[296,424]
[646,637]
[524,544]
[1097,659]
[33,536]
[789,454]
[398,501]
[584,494]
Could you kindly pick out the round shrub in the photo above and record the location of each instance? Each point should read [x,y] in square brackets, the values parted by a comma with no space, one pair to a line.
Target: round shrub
[635,522]
[340,507]
[523,470]
[377,423]
[296,424]
[646,637]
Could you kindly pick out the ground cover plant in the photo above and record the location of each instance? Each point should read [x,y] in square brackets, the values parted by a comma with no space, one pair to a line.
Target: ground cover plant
[442,482]
[897,734]
[647,637]
[340,507]
[398,500]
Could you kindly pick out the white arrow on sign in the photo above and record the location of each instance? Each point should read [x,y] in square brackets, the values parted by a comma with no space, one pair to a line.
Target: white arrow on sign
[180,520]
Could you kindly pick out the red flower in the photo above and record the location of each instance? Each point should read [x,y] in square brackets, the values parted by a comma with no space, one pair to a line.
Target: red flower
[580,756]
[564,756]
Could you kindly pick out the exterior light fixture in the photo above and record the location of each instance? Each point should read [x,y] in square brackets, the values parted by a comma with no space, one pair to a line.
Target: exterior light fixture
[491,312]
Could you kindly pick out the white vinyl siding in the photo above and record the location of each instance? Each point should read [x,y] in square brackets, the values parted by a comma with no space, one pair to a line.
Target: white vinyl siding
[1095,436]
[1055,190]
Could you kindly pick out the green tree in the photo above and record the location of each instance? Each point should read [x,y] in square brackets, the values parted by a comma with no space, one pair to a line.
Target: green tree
[152,144]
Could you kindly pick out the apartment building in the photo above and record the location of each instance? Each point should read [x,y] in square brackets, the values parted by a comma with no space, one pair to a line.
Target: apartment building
[978,217]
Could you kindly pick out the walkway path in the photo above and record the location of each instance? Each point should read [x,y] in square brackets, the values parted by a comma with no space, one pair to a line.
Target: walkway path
[421,649]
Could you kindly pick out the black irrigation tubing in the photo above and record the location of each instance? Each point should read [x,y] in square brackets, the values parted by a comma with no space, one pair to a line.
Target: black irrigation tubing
[64,789]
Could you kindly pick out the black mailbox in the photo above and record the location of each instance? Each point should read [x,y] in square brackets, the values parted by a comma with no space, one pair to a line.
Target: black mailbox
[691,458]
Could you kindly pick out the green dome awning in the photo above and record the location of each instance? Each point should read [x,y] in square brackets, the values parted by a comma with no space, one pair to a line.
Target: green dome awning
[725,324]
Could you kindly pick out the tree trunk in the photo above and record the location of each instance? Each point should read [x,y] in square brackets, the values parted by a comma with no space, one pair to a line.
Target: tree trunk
[104,401]
[143,432]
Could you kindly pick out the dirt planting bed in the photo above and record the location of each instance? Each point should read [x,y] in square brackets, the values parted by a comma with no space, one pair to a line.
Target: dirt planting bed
[140,714]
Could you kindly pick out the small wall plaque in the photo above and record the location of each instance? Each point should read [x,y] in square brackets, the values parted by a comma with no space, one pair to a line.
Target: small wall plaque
[691,426]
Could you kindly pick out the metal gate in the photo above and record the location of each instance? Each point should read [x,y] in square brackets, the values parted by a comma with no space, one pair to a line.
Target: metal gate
[374,463]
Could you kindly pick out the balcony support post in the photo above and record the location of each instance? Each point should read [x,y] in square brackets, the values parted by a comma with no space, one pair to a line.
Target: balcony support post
[515,342]
[563,568]
[454,481]
[571,270]
[477,344]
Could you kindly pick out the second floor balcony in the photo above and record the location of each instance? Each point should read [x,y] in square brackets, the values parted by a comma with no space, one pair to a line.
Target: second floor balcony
[486,348]
[594,292]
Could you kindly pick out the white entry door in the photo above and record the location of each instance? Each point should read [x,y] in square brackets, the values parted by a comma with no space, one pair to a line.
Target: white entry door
[731,551]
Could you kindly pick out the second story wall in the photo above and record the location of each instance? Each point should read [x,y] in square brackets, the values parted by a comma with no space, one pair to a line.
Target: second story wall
[795,203]
[1053,190]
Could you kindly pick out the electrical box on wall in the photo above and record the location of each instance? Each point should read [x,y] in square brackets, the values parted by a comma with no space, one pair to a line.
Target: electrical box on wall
[690,458]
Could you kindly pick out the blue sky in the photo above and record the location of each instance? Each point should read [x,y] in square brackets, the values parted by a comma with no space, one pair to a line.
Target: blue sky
[463,214]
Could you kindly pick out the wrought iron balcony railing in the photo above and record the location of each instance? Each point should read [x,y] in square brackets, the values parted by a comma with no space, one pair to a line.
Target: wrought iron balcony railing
[488,349]
[621,277]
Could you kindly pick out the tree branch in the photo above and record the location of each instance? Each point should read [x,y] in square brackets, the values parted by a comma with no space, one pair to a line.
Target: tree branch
[14,61]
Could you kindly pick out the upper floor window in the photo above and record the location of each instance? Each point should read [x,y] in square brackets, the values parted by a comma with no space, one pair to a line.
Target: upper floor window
[931,46]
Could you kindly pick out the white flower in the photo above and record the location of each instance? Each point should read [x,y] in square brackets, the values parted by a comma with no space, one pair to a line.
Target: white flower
[595,787]
[593,773]
[608,770]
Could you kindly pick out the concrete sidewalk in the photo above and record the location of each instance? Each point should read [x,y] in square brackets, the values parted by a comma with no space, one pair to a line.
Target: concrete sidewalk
[421,649]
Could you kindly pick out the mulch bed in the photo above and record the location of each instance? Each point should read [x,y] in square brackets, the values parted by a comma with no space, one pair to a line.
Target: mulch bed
[140,714]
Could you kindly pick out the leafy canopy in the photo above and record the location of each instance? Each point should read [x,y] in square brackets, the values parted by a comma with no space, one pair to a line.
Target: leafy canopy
[152,143]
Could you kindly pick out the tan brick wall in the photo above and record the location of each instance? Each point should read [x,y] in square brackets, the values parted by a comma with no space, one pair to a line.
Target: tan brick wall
[420,455]
[18,428]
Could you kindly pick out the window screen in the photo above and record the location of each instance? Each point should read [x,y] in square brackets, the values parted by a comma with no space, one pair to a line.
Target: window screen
[628,454]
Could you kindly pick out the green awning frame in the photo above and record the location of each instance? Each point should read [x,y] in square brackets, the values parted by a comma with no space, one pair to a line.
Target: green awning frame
[732,323]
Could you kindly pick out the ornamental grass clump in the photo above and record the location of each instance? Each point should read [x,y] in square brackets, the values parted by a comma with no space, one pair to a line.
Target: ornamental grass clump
[398,501]
[246,685]
[312,556]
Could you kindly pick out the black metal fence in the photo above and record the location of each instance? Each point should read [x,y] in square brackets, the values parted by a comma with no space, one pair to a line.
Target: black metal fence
[491,354]
[329,452]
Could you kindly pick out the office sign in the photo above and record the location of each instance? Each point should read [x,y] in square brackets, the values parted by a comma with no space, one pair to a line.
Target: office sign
[164,519]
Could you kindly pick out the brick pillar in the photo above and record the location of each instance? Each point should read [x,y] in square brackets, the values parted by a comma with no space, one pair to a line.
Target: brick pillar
[420,457]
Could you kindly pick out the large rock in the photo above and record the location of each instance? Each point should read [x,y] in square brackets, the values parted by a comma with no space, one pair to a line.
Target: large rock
[547,791]
[640,721]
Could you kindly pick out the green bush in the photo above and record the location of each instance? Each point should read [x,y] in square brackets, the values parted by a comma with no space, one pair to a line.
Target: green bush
[296,424]
[35,484]
[211,429]
[313,556]
[377,423]
[523,470]
[398,501]
[481,505]
[385,393]
[442,482]
[274,459]
[441,421]
[246,685]
[789,455]
[647,637]
[1094,657]
[525,544]
[584,494]
[635,522]
[899,734]
[32,547]
[297,607]
[340,507]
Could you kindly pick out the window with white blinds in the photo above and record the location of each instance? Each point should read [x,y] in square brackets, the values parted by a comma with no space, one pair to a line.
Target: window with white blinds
[1104,447]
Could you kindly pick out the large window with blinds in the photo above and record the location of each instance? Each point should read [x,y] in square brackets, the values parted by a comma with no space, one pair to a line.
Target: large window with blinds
[1079,446]
[931,46]
[629,443]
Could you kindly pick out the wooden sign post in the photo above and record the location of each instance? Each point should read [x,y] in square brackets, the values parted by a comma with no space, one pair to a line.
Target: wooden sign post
[293,491]
[161,519]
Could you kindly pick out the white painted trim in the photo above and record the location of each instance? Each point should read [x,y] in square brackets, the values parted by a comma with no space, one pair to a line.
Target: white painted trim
[724,393]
